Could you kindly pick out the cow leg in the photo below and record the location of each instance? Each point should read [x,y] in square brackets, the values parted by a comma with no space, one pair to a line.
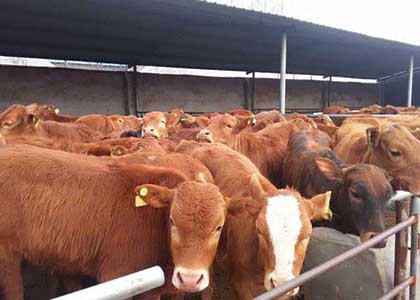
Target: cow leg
[11,283]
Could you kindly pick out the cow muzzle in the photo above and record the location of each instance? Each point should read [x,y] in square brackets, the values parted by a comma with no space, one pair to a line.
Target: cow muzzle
[205,136]
[189,280]
[149,131]
[273,281]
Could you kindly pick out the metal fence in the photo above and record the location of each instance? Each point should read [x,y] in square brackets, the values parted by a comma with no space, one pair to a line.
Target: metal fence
[121,288]
[399,286]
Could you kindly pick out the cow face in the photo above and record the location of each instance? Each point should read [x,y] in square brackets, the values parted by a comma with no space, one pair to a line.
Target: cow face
[360,196]
[223,128]
[154,125]
[283,226]
[43,111]
[396,150]
[197,215]
[16,119]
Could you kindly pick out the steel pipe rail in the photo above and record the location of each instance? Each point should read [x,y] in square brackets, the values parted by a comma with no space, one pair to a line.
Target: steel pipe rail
[121,288]
[309,275]
[398,289]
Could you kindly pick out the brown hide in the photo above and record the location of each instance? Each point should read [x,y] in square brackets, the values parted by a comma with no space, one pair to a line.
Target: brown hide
[108,124]
[77,215]
[16,120]
[359,192]
[392,148]
[265,148]
[246,251]
[48,112]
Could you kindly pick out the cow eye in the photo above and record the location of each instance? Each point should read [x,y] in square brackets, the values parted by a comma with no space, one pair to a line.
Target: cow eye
[229,126]
[218,228]
[163,121]
[7,123]
[259,231]
[172,222]
[355,194]
[395,153]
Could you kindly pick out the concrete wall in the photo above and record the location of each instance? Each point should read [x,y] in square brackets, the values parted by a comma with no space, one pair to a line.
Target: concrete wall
[82,91]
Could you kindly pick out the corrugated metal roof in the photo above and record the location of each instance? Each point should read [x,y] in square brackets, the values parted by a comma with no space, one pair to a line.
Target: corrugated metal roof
[192,34]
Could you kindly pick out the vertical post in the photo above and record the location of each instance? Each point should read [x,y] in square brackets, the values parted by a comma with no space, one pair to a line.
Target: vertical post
[401,247]
[135,109]
[410,81]
[415,211]
[253,94]
[283,73]
[329,91]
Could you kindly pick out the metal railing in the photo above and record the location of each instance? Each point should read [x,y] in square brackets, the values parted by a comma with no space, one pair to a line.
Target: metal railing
[121,288]
[398,287]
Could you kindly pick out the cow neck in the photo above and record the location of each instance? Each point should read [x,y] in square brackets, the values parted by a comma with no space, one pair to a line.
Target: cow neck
[241,142]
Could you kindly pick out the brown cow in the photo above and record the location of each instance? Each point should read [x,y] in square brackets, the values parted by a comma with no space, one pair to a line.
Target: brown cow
[265,118]
[392,148]
[154,124]
[124,235]
[190,167]
[267,230]
[337,110]
[108,124]
[266,148]
[359,192]
[48,112]
[16,120]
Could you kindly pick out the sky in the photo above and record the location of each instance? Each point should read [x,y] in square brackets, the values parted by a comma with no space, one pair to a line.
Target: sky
[390,19]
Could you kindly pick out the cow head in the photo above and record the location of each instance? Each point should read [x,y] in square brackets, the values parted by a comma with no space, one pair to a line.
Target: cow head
[16,119]
[155,125]
[283,228]
[396,150]
[362,191]
[223,128]
[43,111]
[197,215]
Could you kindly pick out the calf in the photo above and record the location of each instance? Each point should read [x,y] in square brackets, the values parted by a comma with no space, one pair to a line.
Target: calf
[49,197]
[266,148]
[17,120]
[108,124]
[154,124]
[267,230]
[48,112]
[359,192]
[392,148]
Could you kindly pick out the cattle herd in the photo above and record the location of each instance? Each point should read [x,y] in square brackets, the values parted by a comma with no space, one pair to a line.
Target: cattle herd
[107,195]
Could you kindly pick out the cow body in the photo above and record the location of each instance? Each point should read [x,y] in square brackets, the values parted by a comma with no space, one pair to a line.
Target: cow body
[250,245]
[77,215]
[265,148]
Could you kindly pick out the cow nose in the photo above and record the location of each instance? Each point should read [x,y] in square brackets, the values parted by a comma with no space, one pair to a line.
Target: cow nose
[276,282]
[191,281]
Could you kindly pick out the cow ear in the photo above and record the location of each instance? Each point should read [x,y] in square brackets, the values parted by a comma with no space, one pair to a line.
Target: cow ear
[372,136]
[328,168]
[246,121]
[319,207]
[202,122]
[155,195]
[256,188]
[33,119]
[239,207]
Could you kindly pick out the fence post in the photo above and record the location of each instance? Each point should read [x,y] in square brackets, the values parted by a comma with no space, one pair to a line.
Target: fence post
[415,211]
[401,246]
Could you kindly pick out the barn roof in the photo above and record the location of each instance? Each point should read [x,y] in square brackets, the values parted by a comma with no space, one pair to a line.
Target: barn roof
[191,34]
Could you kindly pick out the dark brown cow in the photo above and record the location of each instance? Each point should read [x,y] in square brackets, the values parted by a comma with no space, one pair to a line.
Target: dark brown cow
[88,220]
[267,230]
[16,120]
[266,148]
[359,192]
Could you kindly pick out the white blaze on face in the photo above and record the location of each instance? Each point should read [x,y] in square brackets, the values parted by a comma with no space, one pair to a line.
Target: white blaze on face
[284,226]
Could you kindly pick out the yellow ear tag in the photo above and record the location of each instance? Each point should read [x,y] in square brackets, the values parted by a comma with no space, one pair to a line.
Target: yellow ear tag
[175,115]
[140,202]
[143,191]
[254,121]
[249,122]
[36,122]
[57,111]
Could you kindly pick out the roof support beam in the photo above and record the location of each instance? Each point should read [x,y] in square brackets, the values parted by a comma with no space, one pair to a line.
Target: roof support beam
[410,81]
[283,73]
